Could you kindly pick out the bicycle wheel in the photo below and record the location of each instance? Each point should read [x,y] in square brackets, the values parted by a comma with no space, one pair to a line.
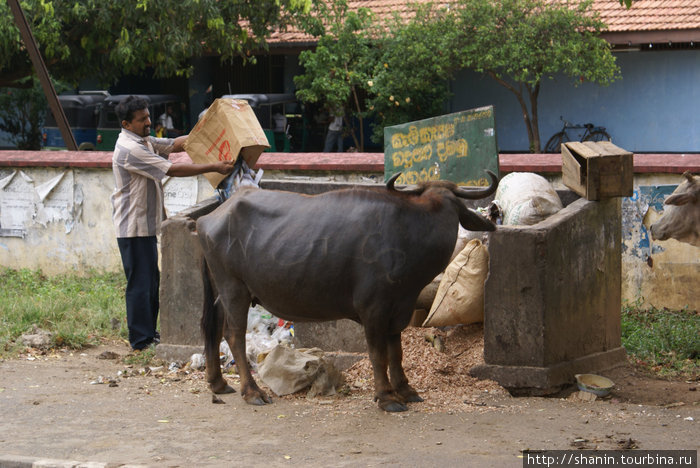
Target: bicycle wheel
[554,143]
[598,135]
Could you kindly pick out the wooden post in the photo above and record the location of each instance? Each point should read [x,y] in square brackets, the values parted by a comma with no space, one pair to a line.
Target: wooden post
[42,72]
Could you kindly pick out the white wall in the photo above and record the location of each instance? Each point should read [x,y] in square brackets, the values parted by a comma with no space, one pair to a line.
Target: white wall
[59,220]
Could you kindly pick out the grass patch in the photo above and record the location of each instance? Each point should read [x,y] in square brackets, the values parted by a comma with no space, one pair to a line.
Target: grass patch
[662,341]
[78,311]
[81,311]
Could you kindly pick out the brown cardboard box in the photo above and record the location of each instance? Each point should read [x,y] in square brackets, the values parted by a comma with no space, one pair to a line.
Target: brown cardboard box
[597,169]
[228,129]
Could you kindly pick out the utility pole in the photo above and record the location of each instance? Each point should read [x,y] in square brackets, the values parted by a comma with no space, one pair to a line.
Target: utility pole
[40,68]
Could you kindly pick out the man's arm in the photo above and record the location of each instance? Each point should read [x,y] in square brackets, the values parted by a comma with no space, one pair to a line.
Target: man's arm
[187,169]
[179,144]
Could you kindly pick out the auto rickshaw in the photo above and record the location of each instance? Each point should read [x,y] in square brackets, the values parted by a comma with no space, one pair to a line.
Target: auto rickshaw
[82,112]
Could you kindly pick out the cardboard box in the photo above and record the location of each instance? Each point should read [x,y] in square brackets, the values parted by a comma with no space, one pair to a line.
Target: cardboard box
[597,169]
[228,130]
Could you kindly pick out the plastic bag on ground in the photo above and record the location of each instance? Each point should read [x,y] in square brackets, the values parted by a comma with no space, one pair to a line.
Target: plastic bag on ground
[263,333]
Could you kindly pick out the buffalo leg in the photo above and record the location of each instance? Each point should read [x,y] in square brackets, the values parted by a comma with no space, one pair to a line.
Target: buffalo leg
[216,381]
[384,395]
[399,381]
[238,301]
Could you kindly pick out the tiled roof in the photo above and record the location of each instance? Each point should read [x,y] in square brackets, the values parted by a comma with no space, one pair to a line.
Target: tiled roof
[645,16]
[649,15]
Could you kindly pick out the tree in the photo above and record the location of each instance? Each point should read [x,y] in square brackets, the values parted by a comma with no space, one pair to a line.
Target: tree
[413,62]
[22,111]
[519,43]
[105,39]
[336,72]
[396,71]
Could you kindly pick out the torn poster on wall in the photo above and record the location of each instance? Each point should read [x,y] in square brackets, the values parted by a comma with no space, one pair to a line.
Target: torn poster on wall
[17,204]
[635,209]
[22,203]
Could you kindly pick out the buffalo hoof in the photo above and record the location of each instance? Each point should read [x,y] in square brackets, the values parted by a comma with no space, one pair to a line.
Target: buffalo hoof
[410,396]
[392,406]
[258,401]
[222,388]
[254,396]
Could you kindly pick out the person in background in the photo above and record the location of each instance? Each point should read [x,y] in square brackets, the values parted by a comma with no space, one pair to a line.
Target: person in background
[160,131]
[334,137]
[167,121]
[139,164]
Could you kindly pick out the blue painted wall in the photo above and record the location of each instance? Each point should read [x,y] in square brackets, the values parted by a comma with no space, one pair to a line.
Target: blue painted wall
[655,107]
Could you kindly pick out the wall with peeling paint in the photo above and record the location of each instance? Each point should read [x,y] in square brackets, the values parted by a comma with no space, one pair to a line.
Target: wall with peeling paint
[658,273]
[59,220]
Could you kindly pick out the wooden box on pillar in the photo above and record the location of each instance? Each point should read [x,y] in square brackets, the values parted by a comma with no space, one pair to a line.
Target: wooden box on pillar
[597,169]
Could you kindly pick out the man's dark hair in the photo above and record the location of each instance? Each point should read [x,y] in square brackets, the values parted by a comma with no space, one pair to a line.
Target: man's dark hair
[127,106]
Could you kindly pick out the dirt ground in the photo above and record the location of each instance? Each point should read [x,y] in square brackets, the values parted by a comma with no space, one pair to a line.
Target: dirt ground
[90,406]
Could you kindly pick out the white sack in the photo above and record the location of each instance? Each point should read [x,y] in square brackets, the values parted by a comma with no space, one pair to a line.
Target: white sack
[526,198]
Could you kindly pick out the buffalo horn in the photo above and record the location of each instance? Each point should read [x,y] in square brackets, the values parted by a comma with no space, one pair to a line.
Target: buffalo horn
[475,193]
[468,193]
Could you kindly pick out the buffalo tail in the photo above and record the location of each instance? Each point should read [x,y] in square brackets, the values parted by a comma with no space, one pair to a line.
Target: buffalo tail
[209,323]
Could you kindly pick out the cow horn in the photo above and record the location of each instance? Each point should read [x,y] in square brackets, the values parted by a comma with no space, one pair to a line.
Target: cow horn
[474,193]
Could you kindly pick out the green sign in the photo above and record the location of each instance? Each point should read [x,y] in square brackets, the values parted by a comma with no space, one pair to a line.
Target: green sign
[456,147]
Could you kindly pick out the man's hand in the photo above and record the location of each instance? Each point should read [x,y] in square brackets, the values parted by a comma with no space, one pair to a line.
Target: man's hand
[224,167]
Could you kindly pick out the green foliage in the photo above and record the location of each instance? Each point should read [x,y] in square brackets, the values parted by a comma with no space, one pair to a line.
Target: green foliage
[22,112]
[104,39]
[403,68]
[336,72]
[528,40]
[77,311]
[412,63]
[521,42]
[664,342]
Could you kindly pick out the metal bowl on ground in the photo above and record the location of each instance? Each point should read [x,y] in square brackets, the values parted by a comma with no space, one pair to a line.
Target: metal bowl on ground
[596,384]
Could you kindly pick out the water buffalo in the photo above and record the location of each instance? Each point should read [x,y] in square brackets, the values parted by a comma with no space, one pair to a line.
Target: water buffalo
[363,254]
[681,218]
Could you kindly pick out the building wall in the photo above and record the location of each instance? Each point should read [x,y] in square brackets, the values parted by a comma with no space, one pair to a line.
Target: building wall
[59,220]
[654,273]
[653,108]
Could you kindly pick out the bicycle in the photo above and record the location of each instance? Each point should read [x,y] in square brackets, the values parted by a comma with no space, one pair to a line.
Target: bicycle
[591,133]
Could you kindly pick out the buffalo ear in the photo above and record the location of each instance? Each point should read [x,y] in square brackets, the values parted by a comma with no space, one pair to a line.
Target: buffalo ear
[680,199]
[473,221]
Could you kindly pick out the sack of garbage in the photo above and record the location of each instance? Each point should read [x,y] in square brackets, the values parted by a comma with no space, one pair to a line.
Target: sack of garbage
[460,296]
[286,370]
[526,198]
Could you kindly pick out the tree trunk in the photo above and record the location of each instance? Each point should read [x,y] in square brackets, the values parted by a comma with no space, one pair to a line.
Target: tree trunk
[533,132]
[533,94]
[359,145]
